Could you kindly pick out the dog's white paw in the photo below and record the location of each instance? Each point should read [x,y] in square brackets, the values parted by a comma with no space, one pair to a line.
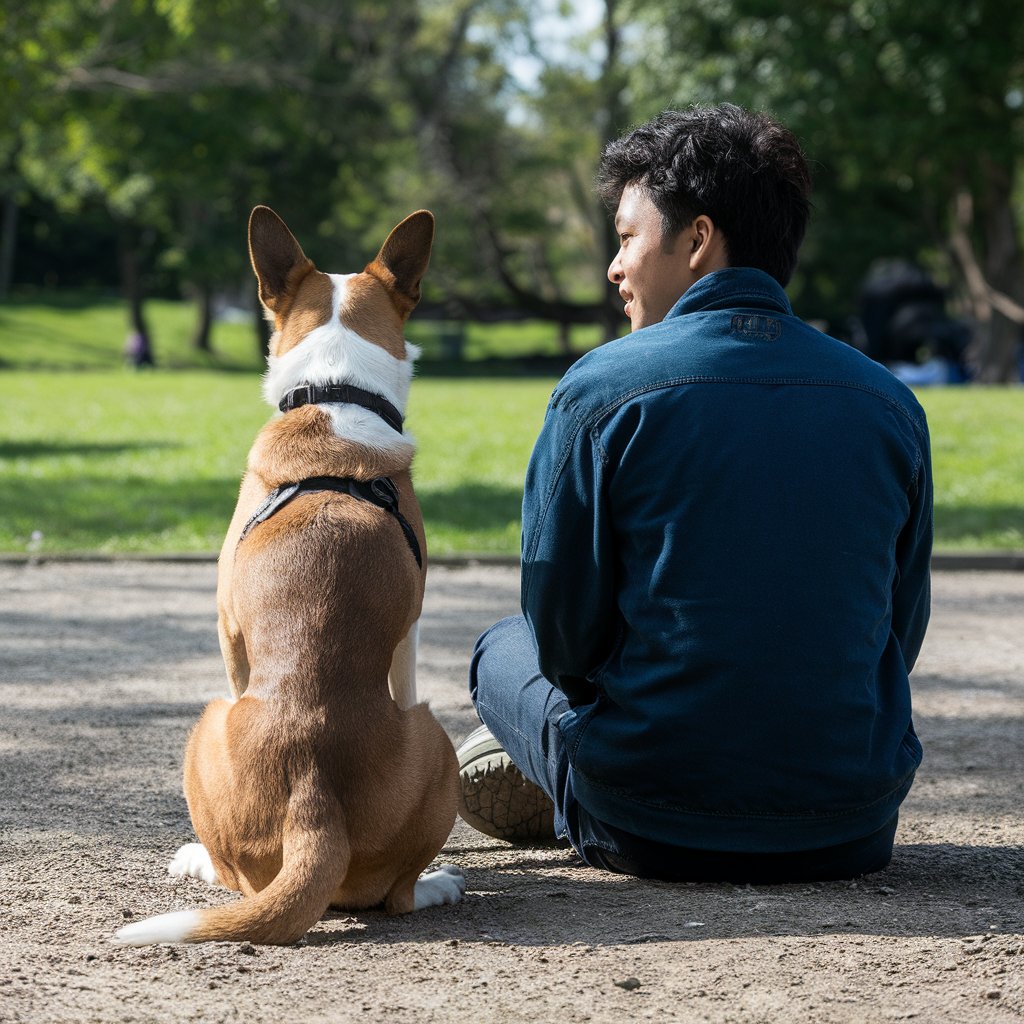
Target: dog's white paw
[192,861]
[445,885]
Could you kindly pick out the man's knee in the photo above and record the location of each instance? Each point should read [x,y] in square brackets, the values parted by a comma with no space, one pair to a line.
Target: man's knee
[496,648]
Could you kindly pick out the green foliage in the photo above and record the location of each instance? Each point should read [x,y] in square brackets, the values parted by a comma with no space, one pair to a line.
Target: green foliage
[899,103]
[174,118]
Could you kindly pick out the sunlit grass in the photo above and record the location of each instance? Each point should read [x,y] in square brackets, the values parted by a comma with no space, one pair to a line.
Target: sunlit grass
[978,462]
[124,462]
[87,331]
[109,460]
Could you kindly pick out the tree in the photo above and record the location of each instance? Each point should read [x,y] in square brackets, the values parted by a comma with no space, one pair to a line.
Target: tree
[513,164]
[179,117]
[913,111]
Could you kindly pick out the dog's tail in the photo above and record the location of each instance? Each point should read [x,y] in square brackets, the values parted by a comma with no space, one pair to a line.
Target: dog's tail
[315,859]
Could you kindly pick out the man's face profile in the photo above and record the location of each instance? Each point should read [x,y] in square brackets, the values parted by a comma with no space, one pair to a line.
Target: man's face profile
[651,270]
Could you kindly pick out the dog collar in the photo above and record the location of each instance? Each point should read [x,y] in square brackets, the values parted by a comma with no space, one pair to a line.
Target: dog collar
[314,394]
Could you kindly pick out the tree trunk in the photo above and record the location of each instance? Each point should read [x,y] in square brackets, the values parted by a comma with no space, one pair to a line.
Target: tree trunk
[262,327]
[565,338]
[204,323]
[1003,269]
[614,115]
[8,236]
[995,290]
[138,348]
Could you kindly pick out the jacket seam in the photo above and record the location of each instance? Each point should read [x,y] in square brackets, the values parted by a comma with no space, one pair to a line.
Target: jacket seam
[602,411]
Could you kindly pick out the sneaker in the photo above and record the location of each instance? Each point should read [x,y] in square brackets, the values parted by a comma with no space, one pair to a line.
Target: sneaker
[496,798]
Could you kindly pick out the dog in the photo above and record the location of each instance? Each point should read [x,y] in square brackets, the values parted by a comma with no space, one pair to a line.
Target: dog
[322,782]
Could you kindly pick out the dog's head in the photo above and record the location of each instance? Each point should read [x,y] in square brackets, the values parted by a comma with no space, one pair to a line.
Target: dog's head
[339,328]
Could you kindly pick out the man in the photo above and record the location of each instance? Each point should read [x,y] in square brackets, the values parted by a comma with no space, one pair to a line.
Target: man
[726,542]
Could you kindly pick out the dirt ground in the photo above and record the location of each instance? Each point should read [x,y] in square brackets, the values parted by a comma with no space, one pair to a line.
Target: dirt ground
[104,668]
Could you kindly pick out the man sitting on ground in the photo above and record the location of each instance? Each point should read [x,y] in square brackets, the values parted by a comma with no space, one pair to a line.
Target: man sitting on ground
[726,537]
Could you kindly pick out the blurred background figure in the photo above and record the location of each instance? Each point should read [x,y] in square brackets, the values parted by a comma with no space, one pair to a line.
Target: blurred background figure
[904,324]
[137,350]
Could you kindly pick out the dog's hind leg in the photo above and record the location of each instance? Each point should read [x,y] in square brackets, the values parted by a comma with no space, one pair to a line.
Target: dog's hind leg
[236,658]
[402,677]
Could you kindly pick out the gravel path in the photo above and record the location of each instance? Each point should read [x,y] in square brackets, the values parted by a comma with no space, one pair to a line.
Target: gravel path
[104,668]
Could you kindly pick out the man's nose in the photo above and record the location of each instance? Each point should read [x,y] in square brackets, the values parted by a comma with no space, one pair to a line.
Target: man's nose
[615,274]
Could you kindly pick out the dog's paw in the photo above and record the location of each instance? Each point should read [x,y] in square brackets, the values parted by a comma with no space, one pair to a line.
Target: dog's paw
[445,885]
[192,861]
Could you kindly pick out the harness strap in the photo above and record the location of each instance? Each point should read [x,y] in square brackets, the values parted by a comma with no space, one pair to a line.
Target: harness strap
[312,394]
[380,491]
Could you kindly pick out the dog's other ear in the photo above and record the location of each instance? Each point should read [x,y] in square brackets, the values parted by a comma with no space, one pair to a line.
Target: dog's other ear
[278,260]
[403,258]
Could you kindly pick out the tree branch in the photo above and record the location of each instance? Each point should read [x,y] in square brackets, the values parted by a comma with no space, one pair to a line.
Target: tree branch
[984,297]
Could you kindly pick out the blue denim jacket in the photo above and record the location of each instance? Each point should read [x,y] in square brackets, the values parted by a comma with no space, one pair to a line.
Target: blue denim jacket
[726,539]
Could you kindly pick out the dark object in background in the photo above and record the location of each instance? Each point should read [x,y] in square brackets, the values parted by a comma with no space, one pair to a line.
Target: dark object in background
[903,314]
[137,350]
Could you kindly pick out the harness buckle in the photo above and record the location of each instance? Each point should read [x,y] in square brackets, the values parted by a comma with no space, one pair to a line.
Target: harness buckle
[299,396]
[383,488]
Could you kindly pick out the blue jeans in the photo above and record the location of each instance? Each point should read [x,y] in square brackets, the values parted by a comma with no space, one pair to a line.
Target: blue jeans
[522,709]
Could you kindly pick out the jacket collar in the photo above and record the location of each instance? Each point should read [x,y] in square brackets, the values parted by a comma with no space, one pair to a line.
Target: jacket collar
[732,288]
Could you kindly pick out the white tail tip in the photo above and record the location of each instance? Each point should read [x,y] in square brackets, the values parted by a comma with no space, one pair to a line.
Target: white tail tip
[176,927]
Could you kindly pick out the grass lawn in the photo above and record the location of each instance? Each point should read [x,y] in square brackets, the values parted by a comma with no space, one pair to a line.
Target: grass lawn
[94,457]
[978,461]
[86,331]
[150,462]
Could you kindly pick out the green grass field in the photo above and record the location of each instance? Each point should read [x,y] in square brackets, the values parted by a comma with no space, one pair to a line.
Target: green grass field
[121,462]
[150,462]
[102,459]
[86,331]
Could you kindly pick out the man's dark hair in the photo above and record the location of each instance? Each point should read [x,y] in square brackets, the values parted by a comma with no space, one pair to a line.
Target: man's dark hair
[742,169]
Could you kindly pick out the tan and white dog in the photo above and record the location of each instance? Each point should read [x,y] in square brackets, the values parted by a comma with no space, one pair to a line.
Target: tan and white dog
[322,783]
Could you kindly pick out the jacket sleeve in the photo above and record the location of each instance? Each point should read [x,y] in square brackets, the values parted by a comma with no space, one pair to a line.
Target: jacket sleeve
[568,564]
[911,602]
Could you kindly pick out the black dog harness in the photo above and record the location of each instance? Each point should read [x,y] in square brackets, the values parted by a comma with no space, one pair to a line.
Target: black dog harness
[381,491]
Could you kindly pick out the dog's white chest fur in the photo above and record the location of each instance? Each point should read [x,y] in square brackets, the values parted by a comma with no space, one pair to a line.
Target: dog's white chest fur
[335,354]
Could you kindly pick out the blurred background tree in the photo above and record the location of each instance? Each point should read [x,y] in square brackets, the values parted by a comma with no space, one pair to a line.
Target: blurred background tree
[137,135]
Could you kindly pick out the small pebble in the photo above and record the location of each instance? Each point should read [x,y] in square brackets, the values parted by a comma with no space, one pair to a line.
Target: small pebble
[993,993]
[629,984]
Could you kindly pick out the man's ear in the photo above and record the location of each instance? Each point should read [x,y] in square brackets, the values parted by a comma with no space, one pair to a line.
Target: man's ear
[403,259]
[278,260]
[707,246]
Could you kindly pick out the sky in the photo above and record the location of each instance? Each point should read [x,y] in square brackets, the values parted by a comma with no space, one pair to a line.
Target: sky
[556,34]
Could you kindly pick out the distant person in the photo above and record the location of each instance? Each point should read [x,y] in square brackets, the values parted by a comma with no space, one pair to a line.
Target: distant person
[727,526]
[906,325]
[137,350]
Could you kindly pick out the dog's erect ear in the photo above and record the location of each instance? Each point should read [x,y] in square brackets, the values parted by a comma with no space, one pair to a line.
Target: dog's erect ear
[403,258]
[278,260]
